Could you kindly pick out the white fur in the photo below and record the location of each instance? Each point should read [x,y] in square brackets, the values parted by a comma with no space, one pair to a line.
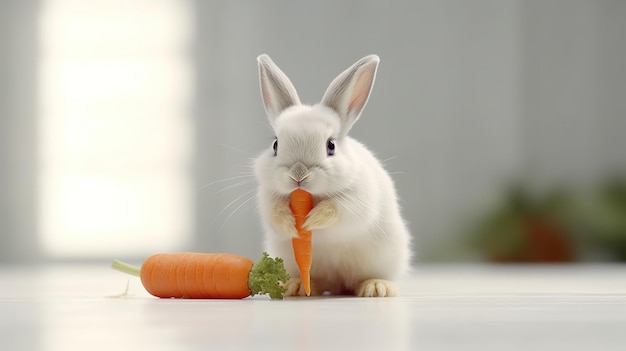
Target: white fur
[360,241]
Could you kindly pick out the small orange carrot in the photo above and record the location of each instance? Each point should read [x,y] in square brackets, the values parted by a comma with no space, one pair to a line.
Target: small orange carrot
[301,204]
[196,275]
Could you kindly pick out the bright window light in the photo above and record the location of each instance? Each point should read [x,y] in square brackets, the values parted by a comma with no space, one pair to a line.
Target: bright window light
[115,134]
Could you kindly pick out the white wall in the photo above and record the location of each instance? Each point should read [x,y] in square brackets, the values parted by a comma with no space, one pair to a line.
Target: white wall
[18,143]
[468,95]
[446,100]
[574,75]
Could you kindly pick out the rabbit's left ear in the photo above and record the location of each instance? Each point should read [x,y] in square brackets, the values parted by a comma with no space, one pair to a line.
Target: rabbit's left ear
[277,90]
[348,93]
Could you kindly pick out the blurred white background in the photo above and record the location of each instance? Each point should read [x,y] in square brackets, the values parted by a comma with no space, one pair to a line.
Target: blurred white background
[119,120]
[114,127]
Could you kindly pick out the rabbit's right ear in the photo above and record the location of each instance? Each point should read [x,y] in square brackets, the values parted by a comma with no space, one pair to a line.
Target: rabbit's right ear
[349,92]
[277,91]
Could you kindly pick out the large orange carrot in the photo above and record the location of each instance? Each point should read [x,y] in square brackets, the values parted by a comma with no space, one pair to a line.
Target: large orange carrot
[301,204]
[196,275]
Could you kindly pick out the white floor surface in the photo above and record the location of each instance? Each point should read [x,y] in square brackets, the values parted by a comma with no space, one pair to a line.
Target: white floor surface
[440,308]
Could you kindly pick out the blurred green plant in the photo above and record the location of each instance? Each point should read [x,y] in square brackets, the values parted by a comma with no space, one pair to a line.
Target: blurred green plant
[605,219]
[527,227]
[554,226]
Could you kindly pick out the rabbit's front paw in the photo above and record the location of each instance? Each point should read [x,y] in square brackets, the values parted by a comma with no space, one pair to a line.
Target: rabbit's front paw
[376,288]
[282,219]
[323,215]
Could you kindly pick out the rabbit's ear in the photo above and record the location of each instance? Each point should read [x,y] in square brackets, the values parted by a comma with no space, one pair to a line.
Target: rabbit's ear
[348,93]
[277,91]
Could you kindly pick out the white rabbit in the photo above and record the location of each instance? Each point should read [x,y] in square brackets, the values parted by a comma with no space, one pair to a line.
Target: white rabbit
[360,241]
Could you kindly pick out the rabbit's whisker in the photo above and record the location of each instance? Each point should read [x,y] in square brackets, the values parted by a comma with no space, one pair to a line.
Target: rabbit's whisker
[250,198]
[248,193]
[248,181]
[226,180]
[389,159]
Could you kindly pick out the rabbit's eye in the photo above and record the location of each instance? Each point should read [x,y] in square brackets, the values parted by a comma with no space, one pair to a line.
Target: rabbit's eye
[275,146]
[330,147]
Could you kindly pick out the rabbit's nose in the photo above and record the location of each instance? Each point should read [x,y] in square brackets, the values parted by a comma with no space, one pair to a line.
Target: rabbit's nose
[299,172]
